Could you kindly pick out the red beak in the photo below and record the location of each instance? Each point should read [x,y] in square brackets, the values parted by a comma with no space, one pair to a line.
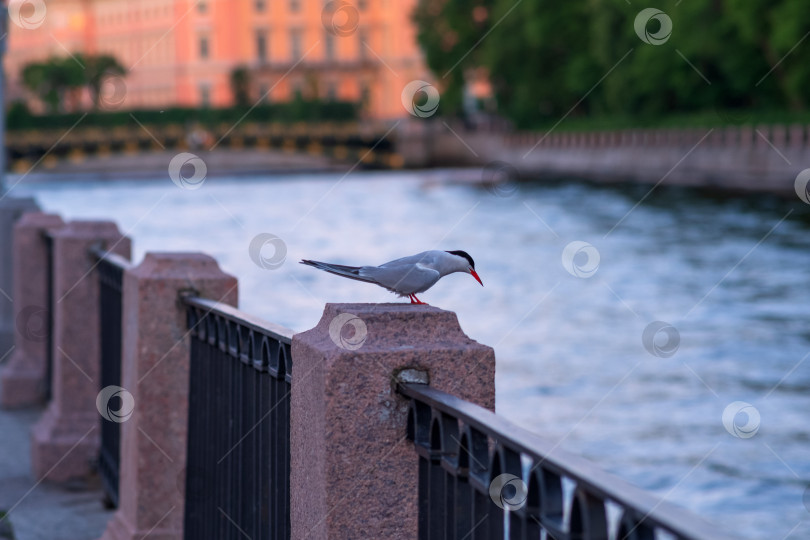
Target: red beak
[475,275]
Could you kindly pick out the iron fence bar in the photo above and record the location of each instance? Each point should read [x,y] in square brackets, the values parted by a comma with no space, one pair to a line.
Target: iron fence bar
[251,322]
[489,445]
[110,258]
[238,464]
[110,268]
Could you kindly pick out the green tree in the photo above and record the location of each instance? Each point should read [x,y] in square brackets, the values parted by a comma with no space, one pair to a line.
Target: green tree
[35,78]
[548,60]
[54,81]
[539,59]
[97,69]
[776,32]
[449,31]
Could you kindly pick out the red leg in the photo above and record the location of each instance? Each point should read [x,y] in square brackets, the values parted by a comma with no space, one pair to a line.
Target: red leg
[412,298]
[419,301]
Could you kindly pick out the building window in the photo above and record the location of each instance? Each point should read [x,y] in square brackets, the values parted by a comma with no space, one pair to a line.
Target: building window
[261,46]
[203,47]
[295,5]
[362,5]
[329,46]
[260,5]
[295,44]
[331,91]
[205,94]
[202,7]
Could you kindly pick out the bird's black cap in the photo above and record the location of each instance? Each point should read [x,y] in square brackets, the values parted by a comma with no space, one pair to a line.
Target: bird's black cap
[465,255]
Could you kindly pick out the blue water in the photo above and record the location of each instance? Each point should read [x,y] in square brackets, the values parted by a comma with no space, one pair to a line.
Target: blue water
[731,276]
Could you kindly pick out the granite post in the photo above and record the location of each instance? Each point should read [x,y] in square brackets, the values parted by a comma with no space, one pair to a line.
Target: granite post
[155,370]
[353,474]
[11,209]
[22,378]
[65,440]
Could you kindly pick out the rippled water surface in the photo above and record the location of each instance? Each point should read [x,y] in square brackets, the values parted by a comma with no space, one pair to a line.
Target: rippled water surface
[731,276]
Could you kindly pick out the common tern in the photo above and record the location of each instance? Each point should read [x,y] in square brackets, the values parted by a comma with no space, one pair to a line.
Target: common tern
[408,275]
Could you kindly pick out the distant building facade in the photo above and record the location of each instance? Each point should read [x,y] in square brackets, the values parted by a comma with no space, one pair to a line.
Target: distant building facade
[182,52]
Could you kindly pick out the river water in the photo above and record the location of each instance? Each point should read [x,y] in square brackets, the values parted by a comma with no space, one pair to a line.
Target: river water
[728,276]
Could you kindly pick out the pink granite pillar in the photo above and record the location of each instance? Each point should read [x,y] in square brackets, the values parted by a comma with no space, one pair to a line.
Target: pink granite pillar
[779,136]
[731,138]
[11,209]
[352,472]
[796,136]
[22,379]
[763,137]
[746,137]
[64,442]
[155,370]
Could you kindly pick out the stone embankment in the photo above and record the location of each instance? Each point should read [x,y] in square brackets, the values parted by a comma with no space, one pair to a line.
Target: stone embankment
[737,158]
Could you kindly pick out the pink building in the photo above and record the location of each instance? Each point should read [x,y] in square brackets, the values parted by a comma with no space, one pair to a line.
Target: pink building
[182,52]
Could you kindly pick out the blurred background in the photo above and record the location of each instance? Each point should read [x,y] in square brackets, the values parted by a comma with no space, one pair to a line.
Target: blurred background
[655,323]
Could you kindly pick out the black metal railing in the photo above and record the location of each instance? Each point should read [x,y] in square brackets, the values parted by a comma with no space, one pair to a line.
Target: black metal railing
[110,268]
[238,460]
[465,449]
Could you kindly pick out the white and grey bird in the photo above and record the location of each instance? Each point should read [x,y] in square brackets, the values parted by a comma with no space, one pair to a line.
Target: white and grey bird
[408,275]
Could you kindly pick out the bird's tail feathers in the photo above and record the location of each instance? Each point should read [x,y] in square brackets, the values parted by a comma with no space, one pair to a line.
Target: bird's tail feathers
[351,272]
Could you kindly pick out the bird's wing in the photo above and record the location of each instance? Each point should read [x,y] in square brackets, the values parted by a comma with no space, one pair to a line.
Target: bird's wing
[426,258]
[403,279]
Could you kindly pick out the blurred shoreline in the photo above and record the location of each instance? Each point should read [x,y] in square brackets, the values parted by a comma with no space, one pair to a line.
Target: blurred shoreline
[152,164]
[219,163]
[712,169]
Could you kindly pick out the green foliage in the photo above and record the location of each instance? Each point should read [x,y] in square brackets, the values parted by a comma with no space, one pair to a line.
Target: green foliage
[97,69]
[17,114]
[6,530]
[299,110]
[583,59]
[448,33]
[57,80]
